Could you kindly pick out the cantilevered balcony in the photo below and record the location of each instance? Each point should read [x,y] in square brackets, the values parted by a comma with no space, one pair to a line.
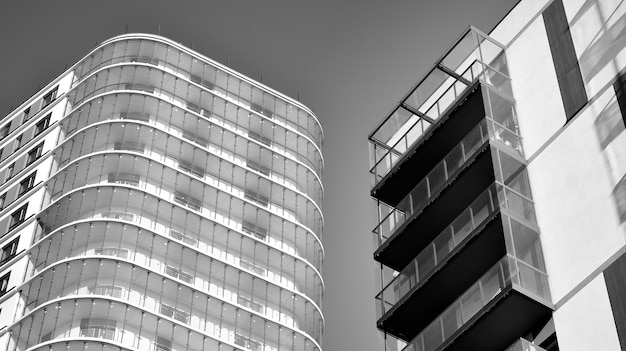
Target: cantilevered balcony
[436,114]
[496,223]
[509,300]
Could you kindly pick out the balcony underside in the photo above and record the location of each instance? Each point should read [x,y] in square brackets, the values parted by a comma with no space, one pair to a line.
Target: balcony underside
[505,319]
[465,265]
[417,232]
[424,155]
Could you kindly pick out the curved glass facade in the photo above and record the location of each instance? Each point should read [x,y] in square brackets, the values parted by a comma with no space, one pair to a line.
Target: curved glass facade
[181,210]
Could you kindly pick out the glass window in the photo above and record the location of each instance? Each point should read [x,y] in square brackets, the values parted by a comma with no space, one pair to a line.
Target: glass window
[10,170]
[97,328]
[42,125]
[34,154]
[4,283]
[5,131]
[18,216]
[48,98]
[18,142]
[3,198]
[9,250]
[26,115]
[27,184]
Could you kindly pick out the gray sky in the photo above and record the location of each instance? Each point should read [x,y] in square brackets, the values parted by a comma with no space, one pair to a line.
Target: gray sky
[349,60]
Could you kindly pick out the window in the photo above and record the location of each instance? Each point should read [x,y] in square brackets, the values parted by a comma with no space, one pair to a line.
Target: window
[27,184]
[184,238]
[9,171]
[171,271]
[255,230]
[175,313]
[257,167]
[191,168]
[26,115]
[187,200]
[108,290]
[130,146]
[112,251]
[3,198]
[34,154]
[124,178]
[18,217]
[4,283]
[252,267]
[9,250]
[18,142]
[255,306]
[254,197]
[5,131]
[120,215]
[135,116]
[248,343]
[97,328]
[260,138]
[47,100]
[163,344]
[197,139]
[42,125]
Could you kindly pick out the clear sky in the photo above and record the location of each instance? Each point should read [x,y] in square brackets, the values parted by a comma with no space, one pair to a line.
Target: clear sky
[350,61]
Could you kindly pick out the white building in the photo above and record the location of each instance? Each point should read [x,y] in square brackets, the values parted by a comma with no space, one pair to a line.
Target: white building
[501,187]
[153,199]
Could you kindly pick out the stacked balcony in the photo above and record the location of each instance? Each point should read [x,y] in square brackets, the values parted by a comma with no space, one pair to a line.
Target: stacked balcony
[457,239]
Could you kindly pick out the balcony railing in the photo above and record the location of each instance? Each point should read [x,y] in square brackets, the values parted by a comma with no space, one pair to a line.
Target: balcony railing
[434,181]
[505,273]
[524,345]
[439,250]
[474,57]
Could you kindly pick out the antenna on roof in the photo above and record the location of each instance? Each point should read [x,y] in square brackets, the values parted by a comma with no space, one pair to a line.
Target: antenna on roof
[192,42]
[159,30]
[126,30]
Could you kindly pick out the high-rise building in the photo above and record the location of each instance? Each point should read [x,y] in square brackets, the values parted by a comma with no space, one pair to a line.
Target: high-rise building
[501,189]
[153,199]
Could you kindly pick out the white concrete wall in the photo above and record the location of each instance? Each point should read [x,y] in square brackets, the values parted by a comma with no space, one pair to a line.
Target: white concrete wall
[585,322]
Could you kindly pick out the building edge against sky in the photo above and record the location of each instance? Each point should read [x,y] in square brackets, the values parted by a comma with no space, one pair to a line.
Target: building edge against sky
[153,199]
[500,180]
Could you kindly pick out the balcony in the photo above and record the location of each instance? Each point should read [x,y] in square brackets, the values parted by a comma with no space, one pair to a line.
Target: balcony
[432,205]
[509,300]
[498,222]
[436,114]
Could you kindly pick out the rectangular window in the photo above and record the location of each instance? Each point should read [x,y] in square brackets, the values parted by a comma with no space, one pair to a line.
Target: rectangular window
[260,138]
[97,328]
[18,142]
[197,139]
[10,170]
[9,250]
[108,290]
[252,267]
[258,198]
[3,198]
[26,115]
[163,344]
[173,272]
[184,238]
[255,230]
[120,215]
[43,124]
[191,168]
[4,283]
[175,313]
[255,306]
[34,154]
[47,100]
[112,251]
[130,146]
[5,131]
[248,343]
[188,201]
[18,217]
[135,116]
[257,167]
[124,178]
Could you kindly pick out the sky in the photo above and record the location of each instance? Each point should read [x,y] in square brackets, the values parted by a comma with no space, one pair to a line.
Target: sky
[350,61]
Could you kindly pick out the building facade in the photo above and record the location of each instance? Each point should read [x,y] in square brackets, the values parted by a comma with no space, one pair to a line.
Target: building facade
[153,199]
[500,181]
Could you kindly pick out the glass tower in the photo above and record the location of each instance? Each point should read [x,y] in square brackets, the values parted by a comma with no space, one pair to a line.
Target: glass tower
[154,199]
